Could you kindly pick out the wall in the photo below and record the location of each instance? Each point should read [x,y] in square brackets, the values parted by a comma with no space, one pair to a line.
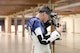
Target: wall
[77,23]
[72,23]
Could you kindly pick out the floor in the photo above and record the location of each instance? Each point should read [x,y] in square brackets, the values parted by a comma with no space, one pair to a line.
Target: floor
[9,43]
[14,44]
[70,43]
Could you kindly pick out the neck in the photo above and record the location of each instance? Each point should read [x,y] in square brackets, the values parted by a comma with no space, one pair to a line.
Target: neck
[39,16]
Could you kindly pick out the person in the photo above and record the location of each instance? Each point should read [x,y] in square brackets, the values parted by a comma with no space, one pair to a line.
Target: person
[38,29]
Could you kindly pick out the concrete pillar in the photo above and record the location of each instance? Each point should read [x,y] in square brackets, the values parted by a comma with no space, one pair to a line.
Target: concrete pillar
[73,25]
[8,24]
[15,23]
[23,23]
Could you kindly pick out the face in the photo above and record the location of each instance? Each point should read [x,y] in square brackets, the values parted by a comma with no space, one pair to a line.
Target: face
[46,17]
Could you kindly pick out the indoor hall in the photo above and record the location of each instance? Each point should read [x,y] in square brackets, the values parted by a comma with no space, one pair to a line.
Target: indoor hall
[14,14]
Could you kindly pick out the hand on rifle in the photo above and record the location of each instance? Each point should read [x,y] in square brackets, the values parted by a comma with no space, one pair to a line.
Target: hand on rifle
[59,28]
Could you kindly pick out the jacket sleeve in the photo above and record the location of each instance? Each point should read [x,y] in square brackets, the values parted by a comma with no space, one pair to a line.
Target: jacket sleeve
[43,38]
[50,38]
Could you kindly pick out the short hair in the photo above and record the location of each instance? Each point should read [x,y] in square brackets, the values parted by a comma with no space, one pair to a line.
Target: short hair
[45,8]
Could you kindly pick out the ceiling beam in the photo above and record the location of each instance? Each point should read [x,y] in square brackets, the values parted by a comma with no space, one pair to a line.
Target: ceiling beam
[68,6]
[28,5]
[25,1]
